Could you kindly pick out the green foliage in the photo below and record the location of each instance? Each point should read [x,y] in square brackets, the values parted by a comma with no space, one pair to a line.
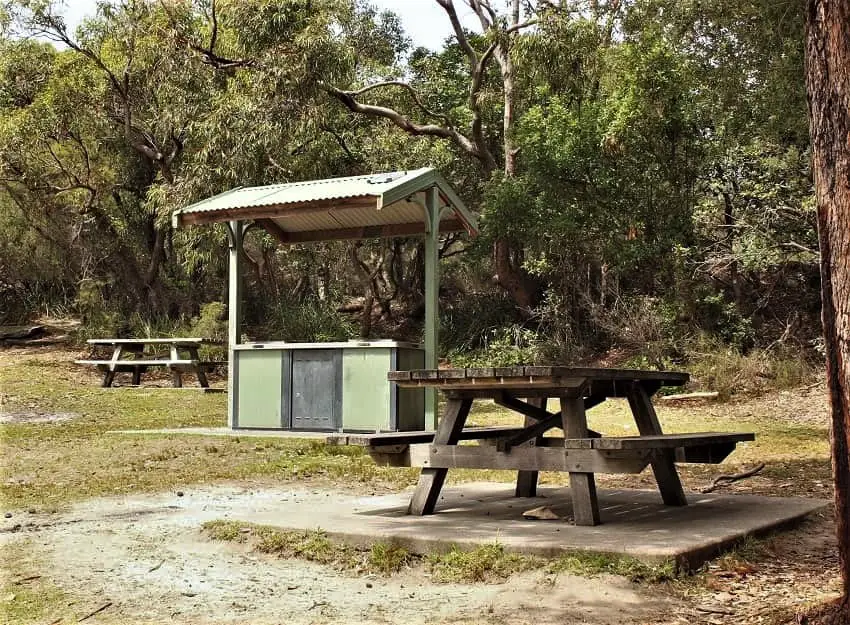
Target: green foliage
[725,320]
[661,188]
[482,564]
[582,563]
[388,558]
[312,320]
[98,320]
[715,366]
[470,321]
[505,346]
[220,529]
[212,322]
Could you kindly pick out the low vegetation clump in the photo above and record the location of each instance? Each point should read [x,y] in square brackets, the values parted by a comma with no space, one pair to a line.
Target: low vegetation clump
[484,564]
[312,546]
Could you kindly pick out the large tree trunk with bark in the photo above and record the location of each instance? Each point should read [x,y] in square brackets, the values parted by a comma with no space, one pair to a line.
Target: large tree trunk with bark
[828,84]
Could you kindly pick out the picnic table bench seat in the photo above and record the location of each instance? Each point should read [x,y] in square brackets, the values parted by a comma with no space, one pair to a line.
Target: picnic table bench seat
[417,449]
[130,365]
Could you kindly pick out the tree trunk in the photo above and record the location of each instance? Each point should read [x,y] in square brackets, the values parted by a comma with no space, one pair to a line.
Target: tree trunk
[828,85]
[509,275]
[729,240]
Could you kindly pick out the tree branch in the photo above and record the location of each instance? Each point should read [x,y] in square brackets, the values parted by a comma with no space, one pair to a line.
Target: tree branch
[449,8]
[519,26]
[207,53]
[403,122]
[410,90]
[477,69]
[486,14]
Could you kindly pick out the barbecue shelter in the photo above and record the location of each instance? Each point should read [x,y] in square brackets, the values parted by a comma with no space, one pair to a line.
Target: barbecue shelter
[333,386]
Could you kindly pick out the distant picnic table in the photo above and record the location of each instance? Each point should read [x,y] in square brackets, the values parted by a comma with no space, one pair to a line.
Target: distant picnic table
[141,359]
[579,451]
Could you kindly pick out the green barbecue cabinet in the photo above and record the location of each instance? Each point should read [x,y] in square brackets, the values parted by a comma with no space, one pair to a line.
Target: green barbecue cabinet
[326,387]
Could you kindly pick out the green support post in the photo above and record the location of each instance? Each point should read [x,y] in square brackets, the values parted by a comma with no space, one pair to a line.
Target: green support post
[235,233]
[432,311]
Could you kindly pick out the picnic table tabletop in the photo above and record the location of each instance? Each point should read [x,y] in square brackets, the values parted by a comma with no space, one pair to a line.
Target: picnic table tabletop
[530,374]
[156,341]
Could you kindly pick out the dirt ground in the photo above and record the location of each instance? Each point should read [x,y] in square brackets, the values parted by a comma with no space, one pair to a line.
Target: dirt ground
[147,556]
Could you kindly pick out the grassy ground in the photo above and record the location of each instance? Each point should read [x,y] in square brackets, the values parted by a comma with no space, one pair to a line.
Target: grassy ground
[487,563]
[48,464]
[69,455]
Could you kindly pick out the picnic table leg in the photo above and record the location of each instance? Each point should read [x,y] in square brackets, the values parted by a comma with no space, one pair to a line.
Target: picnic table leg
[582,485]
[202,376]
[176,375]
[664,468]
[137,371]
[109,375]
[526,481]
[431,480]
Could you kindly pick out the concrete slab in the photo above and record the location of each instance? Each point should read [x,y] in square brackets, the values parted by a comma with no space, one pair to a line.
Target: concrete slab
[634,522]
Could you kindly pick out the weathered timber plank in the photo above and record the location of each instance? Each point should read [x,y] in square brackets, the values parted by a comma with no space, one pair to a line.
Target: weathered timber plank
[158,341]
[452,374]
[536,430]
[484,392]
[509,372]
[517,386]
[665,378]
[431,479]
[585,461]
[419,436]
[664,468]
[526,480]
[425,374]
[147,363]
[582,483]
[483,372]
[668,441]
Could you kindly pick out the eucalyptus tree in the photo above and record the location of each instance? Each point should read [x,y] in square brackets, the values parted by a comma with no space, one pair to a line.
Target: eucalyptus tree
[828,86]
[57,170]
[272,123]
[138,96]
[492,148]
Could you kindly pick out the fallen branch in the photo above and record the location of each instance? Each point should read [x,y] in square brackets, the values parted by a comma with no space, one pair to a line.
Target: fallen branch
[98,611]
[27,579]
[725,480]
[151,570]
[714,610]
[700,395]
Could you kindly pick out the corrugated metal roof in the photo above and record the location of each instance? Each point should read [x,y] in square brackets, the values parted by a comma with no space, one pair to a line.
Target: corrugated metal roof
[385,199]
[307,191]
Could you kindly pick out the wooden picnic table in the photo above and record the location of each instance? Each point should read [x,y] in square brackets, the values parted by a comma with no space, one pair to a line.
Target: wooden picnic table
[140,362]
[580,451]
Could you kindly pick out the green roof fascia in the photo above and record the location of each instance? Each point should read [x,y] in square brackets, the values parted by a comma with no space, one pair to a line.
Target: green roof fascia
[175,215]
[429,178]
